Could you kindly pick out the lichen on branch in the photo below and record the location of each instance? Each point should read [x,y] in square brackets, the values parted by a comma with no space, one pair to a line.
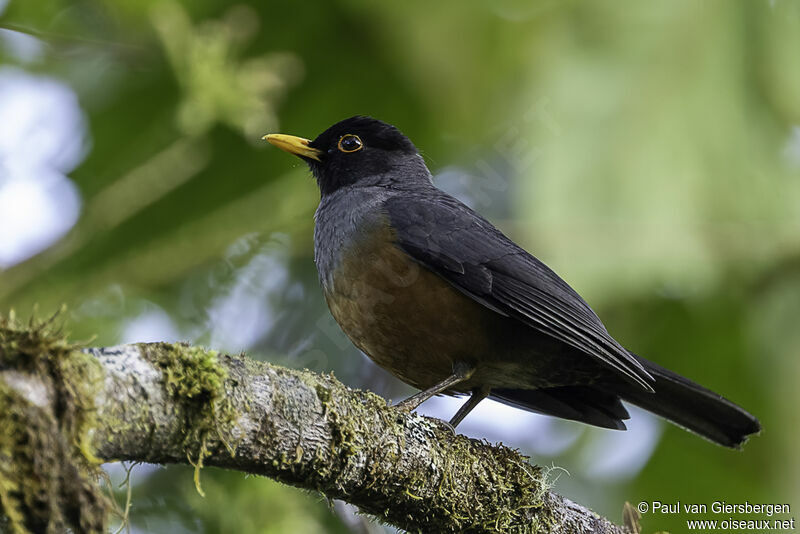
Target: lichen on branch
[175,403]
[48,473]
[195,382]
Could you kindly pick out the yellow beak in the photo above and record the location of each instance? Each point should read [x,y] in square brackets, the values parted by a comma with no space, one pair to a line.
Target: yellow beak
[294,145]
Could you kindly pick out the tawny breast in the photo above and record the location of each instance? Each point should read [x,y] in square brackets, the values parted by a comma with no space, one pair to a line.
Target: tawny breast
[407,319]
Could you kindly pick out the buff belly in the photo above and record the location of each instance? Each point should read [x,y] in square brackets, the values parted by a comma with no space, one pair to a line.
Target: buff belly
[414,324]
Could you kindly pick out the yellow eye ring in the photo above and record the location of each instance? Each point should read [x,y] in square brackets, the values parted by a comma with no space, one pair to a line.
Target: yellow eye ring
[350,143]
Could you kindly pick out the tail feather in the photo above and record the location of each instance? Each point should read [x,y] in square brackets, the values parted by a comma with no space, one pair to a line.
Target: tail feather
[678,399]
[578,403]
[693,407]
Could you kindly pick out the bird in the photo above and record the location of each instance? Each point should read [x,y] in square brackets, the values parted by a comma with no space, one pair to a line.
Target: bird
[435,294]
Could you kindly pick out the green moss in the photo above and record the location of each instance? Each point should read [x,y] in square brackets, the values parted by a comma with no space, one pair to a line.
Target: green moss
[195,381]
[324,395]
[48,474]
[191,372]
[14,472]
[480,489]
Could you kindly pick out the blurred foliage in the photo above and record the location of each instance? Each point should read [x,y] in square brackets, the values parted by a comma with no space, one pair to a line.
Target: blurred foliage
[168,502]
[649,152]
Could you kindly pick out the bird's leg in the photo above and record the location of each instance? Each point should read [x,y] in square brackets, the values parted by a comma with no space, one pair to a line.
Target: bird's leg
[478,394]
[461,372]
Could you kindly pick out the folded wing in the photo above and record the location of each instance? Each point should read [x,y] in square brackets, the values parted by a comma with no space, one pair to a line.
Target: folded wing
[476,258]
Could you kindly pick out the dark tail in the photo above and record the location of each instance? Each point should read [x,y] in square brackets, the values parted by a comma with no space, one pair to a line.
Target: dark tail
[693,407]
[676,398]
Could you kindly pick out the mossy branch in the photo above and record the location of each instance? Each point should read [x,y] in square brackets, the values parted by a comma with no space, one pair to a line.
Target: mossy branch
[65,409]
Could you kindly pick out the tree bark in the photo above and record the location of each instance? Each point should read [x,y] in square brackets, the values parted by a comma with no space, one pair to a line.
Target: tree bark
[173,403]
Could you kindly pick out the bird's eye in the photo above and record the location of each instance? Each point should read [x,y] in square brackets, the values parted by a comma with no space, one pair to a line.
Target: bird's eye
[350,143]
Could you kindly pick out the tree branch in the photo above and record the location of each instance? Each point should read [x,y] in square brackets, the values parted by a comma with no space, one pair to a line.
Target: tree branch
[165,403]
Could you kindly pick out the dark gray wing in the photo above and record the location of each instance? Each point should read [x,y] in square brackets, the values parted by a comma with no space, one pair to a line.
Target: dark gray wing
[465,249]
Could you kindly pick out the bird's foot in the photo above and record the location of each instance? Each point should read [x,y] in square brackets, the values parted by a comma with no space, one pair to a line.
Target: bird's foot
[448,426]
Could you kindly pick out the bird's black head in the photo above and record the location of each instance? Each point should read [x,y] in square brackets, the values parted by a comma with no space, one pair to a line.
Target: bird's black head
[357,151]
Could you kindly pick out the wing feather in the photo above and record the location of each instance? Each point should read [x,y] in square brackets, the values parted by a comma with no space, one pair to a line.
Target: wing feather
[466,250]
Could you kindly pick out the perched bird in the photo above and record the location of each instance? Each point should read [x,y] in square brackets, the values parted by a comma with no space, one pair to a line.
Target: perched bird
[435,294]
